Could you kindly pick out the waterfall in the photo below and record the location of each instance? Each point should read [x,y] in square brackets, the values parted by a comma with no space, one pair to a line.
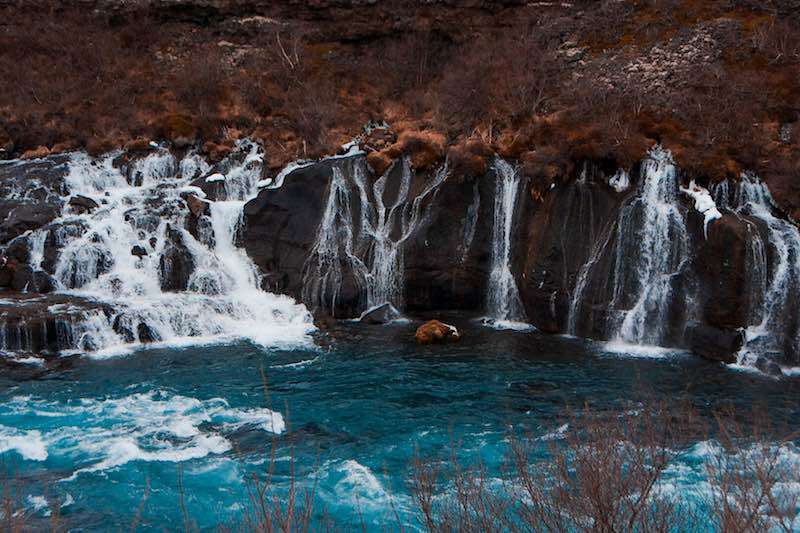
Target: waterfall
[177,287]
[364,247]
[334,254]
[773,271]
[651,249]
[503,301]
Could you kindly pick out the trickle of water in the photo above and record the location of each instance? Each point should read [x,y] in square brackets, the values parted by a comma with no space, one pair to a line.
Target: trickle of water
[503,301]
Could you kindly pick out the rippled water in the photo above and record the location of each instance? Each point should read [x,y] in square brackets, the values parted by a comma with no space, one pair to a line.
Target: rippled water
[96,434]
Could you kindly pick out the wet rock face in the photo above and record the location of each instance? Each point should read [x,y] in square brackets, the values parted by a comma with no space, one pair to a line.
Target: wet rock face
[448,260]
[561,235]
[721,268]
[280,226]
[45,325]
[176,263]
[381,314]
[442,231]
[30,194]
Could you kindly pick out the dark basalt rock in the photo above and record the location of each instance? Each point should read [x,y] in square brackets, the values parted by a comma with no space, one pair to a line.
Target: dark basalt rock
[713,343]
[122,329]
[30,194]
[561,236]
[19,216]
[27,280]
[721,267]
[35,324]
[82,204]
[138,251]
[146,333]
[176,264]
[280,226]
[768,366]
[448,259]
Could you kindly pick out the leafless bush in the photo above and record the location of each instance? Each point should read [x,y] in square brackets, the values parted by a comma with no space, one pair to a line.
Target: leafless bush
[605,472]
[748,476]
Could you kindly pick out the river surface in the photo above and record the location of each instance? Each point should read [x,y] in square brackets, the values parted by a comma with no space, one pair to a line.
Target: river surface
[113,440]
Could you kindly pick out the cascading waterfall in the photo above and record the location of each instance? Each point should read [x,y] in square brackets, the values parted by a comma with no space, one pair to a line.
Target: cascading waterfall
[651,249]
[650,246]
[221,296]
[366,248]
[773,271]
[503,301]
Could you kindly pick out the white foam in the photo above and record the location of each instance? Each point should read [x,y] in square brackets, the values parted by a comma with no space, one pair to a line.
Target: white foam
[507,324]
[224,300]
[618,347]
[28,444]
[102,434]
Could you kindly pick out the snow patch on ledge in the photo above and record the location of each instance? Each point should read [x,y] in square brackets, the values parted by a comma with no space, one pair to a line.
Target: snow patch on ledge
[702,203]
[213,178]
[620,181]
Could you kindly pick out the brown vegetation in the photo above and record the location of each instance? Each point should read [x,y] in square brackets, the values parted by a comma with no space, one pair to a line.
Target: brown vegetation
[717,82]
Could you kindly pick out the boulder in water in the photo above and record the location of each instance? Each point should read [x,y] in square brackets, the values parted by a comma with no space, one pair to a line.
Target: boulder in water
[380,314]
[138,251]
[716,344]
[82,204]
[768,366]
[433,331]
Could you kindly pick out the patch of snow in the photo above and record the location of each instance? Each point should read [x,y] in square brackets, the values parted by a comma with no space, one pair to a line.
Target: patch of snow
[197,191]
[620,181]
[264,183]
[703,202]
[213,178]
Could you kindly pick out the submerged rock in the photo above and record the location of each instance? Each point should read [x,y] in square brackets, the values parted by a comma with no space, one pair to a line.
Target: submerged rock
[433,331]
[380,314]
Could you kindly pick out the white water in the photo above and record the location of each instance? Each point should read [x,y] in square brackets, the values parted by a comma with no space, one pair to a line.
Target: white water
[503,301]
[773,285]
[369,249]
[223,299]
[100,434]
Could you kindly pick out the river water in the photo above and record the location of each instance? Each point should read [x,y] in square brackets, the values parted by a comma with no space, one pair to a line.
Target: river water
[104,438]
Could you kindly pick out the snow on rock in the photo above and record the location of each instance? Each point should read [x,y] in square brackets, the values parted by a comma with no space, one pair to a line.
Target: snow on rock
[702,203]
[213,178]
